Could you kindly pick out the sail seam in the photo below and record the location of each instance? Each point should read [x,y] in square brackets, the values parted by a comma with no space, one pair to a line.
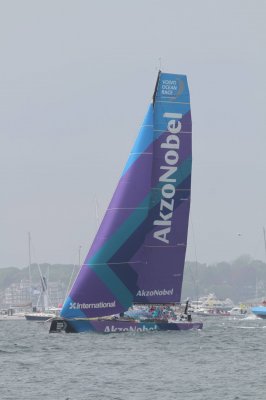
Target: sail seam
[146,153]
[166,246]
[114,263]
[177,190]
[163,130]
[172,102]
[128,208]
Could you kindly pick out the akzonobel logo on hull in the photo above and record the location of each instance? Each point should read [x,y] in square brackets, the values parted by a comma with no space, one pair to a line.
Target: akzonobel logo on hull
[131,328]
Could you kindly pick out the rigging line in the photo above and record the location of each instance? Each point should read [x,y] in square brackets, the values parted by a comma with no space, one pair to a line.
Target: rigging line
[97,216]
[114,263]
[195,280]
[160,64]
[69,287]
[44,286]
[30,277]
[264,235]
[73,269]
[33,251]
[80,265]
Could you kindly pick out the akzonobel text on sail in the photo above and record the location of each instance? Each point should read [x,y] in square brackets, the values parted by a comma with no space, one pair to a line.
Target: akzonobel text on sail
[171,157]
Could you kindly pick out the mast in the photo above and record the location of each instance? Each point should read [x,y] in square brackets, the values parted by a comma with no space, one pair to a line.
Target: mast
[264,239]
[156,87]
[97,215]
[45,293]
[79,255]
[264,235]
[29,253]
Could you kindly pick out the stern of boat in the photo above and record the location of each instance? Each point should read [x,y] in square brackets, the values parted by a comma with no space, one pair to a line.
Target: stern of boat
[60,325]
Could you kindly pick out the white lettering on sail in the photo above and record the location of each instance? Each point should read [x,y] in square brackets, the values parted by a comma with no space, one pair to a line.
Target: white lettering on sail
[171,157]
[172,87]
[155,292]
[84,306]
[169,87]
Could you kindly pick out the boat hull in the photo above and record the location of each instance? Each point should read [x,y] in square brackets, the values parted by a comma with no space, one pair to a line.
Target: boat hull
[259,311]
[208,314]
[38,317]
[115,326]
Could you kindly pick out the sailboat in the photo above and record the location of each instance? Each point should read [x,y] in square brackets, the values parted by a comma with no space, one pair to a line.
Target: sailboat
[137,258]
[47,312]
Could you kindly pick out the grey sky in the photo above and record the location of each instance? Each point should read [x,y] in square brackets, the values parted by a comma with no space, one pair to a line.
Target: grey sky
[76,78]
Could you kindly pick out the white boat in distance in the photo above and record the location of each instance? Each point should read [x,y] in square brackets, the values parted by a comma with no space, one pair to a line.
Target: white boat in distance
[44,315]
[211,306]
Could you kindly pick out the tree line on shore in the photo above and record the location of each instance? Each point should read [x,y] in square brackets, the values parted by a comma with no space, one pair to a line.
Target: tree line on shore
[242,280]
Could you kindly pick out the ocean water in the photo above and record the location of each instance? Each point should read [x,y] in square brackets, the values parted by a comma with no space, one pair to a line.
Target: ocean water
[226,360]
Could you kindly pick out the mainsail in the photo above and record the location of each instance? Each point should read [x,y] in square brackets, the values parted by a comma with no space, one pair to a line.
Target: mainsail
[138,253]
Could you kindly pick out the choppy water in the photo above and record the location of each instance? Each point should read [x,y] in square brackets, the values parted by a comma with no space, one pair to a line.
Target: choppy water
[226,360]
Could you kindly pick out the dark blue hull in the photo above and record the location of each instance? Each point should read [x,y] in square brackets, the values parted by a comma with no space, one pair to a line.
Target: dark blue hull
[116,326]
[36,317]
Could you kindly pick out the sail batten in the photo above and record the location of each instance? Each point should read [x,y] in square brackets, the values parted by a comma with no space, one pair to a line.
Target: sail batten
[139,250]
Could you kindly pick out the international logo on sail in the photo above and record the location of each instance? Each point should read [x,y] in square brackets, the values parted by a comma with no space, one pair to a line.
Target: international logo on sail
[85,306]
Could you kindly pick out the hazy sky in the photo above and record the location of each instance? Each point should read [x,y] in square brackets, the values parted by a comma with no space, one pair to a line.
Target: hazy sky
[76,78]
